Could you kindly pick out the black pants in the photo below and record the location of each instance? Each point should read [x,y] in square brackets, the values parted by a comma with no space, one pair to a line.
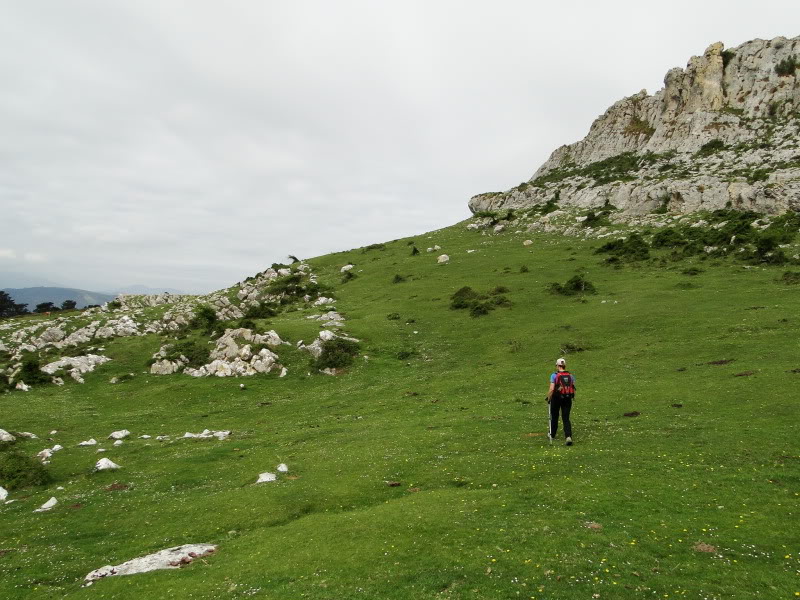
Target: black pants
[564,405]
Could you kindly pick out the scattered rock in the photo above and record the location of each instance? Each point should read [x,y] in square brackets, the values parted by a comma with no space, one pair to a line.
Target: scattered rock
[89,442]
[6,437]
[171,558]
[118,443]
[47,505]
[634,413]
[21,385]
[283,468]
[266,477]
[119,435]
[527,243]
[723,361]
[106,464]
[3,493]
[443,259]
[28,434]
[207,433]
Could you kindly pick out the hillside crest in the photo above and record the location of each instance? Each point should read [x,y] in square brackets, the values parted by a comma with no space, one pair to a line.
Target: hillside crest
[721,133]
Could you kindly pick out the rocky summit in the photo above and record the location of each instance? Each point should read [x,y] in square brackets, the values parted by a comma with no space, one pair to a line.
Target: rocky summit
[721,133]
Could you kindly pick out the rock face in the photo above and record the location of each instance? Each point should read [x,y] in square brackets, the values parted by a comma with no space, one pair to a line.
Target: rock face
[171,558]
[721,133]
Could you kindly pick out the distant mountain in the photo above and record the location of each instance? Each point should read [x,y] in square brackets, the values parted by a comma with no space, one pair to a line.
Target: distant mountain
[143,289]
[14,279]
[36,295]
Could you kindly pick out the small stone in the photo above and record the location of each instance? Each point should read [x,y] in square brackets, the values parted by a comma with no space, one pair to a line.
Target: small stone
[283,468]
[47,505]
[266,477]
[119,435]
[106,464]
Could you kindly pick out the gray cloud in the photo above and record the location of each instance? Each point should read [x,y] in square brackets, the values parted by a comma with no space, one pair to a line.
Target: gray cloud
[189,144]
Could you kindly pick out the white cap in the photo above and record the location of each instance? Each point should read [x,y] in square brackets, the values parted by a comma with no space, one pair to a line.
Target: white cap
[561,362]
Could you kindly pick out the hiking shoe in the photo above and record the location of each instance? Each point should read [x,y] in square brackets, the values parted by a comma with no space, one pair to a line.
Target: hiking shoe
[569,441]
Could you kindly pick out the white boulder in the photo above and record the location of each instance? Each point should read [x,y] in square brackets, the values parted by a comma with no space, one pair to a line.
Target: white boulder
[283,468]
[443,259]
[527,243]
[119,435]
[266,477]
[106,464]
[3,493]
[89,442]
[47,505]
[6,437]
[171,558]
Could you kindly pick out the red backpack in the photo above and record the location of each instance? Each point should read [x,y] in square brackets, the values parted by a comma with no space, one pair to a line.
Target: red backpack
[565,385]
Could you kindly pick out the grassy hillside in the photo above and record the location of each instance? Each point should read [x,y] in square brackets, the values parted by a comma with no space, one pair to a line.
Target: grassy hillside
[696,496]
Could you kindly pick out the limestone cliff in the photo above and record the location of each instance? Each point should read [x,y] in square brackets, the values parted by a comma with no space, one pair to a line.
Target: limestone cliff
[723,132]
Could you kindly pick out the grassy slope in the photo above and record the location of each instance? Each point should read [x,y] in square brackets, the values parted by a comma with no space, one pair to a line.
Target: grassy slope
[498,513]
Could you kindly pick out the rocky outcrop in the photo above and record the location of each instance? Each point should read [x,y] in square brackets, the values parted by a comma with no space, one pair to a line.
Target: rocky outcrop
[721,133]
[75,366]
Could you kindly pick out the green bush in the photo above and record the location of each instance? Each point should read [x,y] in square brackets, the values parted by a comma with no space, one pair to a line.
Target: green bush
[393,316]
[348,276]
[478,309]
[31,372]
[18,471]
[524,269]
[787,66]
[574,286]
[464,298]
[196,351]
[711,147]
[204,319]
[632,248]
[263,310]
[727,57]
[667,237]
[791,278]
[114,305]
[336,354]
[398,279]
[414,251]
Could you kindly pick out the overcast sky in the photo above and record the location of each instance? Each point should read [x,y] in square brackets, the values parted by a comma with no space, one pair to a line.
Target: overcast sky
[191,144]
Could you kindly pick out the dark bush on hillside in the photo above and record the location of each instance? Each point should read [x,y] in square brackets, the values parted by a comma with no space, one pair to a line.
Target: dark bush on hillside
[393,316]
[279,266]
[464,298]
[336,354]
[197,352]
[524,269]
[574,286]
[500,289]
[768,250]
[478,309]
[669,237]
[500,300]
[692,271]
[374,247]
[31,371]
[348,276]
[398,279]
[787,66]
[711,147]
[632,248]
[114,305]
[405,354]
[19,471]
[791,278]
[263,310]
[293,286]
[204,319]
[246,323]
[414,251]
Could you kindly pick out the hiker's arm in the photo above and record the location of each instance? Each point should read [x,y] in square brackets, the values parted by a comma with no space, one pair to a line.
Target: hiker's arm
[550,392]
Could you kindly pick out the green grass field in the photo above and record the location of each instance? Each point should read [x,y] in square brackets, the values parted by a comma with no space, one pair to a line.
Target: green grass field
[696,497]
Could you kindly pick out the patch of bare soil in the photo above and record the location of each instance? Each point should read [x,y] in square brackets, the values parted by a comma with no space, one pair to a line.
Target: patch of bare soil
[745,374]
[703,547]
[633,413]
[722,361]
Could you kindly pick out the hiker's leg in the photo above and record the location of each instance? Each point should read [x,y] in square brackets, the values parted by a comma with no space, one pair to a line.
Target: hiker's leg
[566,406]
[553,417]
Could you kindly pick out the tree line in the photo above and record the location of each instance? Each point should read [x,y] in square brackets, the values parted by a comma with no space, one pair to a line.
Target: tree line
[9,308]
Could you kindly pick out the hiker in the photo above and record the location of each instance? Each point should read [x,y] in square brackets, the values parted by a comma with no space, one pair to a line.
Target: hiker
[559,397]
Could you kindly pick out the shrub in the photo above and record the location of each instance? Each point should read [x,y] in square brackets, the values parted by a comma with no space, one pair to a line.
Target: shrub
[574,286]
[263,310]
[348,276]
[398,279]
[632,248]
[478,309]
[336,354]
[711,147]
[787,66]
[393,316]
[405,354]
[639,126]
[114,305]
[246,323]
[727,57]
[791,278]
[197,352]
[31,371]
[414,251]
[374,247]
[464,298]
[500,289]
[524,269]
[18,471]
[667,237]
[204,319]
[692,271]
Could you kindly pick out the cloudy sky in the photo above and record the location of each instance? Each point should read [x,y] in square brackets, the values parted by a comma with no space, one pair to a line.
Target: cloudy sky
[190,144]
